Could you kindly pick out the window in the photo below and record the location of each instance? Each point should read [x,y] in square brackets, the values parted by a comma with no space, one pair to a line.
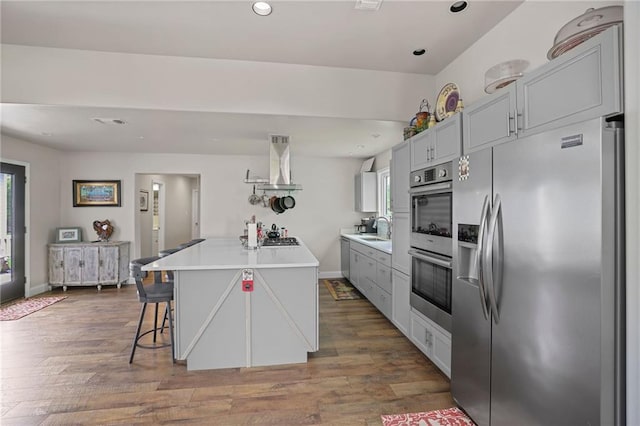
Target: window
[384,193]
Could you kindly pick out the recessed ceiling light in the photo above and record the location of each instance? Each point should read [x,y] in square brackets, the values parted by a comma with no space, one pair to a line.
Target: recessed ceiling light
[458,6]
[46,134]
[419,52]
[261,8]
[140,137]
[360,146]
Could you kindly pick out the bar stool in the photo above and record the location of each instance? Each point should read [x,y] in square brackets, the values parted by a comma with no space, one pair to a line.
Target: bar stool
[152,288]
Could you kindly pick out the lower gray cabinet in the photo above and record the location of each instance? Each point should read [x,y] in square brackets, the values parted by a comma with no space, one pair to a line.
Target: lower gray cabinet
[373,276]
[85,264]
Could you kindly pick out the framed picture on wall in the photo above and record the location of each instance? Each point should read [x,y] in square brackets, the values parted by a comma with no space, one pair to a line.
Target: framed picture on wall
[92,193]
[144,201]
[69,235]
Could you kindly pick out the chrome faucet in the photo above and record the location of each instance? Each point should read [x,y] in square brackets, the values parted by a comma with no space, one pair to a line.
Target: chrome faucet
[388,225]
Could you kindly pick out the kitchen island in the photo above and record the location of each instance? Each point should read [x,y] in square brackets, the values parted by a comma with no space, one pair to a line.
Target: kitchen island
[223,321]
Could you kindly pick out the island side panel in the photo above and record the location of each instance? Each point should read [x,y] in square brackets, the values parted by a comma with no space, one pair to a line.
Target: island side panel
[222,344]
[284,315]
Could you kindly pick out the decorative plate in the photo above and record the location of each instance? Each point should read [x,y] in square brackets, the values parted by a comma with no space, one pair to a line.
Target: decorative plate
[447,101]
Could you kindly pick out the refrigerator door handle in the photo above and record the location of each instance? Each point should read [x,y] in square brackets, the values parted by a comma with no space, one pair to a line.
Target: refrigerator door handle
[489,255]
[478,260]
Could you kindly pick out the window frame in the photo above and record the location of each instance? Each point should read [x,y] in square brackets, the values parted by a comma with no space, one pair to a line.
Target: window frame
[384,192]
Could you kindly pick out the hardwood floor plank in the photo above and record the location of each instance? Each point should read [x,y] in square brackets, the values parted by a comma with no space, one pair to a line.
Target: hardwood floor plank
[68,364]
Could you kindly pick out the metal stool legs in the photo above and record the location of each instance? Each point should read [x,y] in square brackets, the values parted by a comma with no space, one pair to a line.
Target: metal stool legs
[138,336]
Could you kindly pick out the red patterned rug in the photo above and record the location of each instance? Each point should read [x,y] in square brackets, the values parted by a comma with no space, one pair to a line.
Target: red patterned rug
[447,417]
[25,307]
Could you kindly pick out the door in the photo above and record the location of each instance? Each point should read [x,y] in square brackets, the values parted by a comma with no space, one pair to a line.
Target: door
[471,323]
[195,213]
[549,358]
[158,231]
[12,232]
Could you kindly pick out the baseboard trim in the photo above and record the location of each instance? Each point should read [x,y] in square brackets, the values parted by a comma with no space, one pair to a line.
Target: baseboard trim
[35,290]
[329,274]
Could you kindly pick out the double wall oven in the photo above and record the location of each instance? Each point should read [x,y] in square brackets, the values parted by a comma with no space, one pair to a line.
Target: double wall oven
[431,243]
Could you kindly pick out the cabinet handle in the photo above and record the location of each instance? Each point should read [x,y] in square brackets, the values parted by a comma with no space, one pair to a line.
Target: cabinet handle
[100,262]
[433,153]
[81,264]
[509,118]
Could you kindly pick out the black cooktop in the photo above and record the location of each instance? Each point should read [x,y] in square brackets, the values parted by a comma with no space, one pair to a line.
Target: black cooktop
[287,241]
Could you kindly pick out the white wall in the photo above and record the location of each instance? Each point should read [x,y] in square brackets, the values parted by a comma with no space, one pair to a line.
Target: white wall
[323,207]
[40,75]
[527,33]
[43,191]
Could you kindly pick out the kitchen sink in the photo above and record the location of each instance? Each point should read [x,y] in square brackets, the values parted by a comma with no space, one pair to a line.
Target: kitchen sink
[371,238]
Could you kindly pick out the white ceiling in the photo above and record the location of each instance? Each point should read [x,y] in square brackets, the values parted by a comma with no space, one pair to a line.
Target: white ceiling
[323,33]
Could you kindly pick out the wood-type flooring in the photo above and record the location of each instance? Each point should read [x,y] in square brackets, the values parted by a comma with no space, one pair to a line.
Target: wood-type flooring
[68,365]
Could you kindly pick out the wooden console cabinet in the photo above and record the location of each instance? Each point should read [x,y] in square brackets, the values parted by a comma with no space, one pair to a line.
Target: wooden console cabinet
[85,264]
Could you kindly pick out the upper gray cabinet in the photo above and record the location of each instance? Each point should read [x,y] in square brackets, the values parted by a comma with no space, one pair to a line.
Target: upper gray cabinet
[365,191]
[400,160]
[438,144]
[584,83]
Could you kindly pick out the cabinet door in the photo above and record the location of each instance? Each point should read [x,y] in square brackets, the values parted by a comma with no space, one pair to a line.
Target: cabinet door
[401,309]
[354,272]
[73,265]
[383,277]
[123,261]
[421,334]
[56,265]
[400,164]
[108,265]
[400,236]
[448,140]
[368,269]
[489,121]
[421,149]
[366,196]
[441,349]
[90,265]
[583,83]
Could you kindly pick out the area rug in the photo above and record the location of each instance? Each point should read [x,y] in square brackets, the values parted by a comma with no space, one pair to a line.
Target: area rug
[25,307]
[342,290]
[447,417]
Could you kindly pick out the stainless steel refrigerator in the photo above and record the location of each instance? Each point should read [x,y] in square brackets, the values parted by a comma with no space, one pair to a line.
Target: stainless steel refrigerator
[538,330]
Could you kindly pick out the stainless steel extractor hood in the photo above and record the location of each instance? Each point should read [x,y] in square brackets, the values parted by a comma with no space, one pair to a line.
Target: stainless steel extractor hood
[279,167]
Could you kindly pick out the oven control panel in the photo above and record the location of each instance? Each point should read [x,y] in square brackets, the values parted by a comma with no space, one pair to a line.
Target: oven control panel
[435,174]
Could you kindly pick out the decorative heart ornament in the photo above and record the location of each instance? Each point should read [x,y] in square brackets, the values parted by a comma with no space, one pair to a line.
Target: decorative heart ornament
[104,229]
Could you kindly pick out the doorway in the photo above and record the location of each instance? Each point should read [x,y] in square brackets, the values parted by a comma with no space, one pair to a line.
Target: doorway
[158,205]
[171,214]
[12,231]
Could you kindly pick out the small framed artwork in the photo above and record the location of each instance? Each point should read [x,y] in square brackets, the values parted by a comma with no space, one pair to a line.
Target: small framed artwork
[92,193]
[144,201]
[69,235]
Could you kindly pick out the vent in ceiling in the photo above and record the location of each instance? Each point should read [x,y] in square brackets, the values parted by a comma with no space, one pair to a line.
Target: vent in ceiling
[102,120]
[371,5]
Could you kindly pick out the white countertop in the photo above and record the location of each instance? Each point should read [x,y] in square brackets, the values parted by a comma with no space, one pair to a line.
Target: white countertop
[382,245]
[228,253]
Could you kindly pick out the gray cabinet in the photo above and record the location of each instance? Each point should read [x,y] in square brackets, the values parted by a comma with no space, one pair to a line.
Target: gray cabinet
[400,242]
[432,340]
[583,83]
[401,308]
[373,277]
[85,264]
[400,164]
[437,145]
[366,195]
